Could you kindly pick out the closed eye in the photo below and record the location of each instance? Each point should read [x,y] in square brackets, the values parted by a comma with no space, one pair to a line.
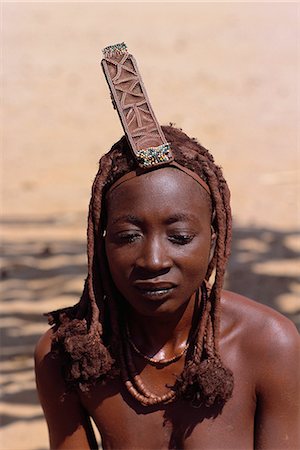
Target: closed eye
[181,239]
[127,238]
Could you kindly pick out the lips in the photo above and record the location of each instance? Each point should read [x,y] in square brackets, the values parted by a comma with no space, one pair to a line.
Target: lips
[154,290]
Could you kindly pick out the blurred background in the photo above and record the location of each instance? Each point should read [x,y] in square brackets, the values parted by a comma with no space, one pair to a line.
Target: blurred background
[224,72]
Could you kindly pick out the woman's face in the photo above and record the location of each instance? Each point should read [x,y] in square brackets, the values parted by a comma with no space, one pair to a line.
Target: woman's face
[158,240]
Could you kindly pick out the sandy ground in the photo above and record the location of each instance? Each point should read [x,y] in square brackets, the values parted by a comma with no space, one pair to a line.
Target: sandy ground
[224,72]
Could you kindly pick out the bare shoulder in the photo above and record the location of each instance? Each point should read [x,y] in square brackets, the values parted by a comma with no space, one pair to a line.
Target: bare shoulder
[265,336]
[43,346]
[251,316]
[47,367]
[68,423]
[264,346]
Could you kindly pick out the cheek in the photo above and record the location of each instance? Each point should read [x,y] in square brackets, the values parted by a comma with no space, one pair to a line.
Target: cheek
[195,263]
[196,267]
[119,262]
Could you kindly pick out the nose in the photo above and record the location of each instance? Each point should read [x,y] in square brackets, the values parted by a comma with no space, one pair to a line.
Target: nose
[154,257]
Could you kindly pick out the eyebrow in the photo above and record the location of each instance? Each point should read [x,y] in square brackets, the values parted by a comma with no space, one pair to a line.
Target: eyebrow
[127,218]
[180,217]
[177,217]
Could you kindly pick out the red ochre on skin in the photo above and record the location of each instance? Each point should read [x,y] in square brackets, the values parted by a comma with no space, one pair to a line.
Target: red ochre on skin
[158,248]
[260,346]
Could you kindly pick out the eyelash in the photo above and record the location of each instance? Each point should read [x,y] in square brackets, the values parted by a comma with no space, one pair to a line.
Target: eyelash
[128,238]
[178,239]
[181,239]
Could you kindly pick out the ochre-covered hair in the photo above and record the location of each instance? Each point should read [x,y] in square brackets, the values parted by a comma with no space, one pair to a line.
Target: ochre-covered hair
[90,335]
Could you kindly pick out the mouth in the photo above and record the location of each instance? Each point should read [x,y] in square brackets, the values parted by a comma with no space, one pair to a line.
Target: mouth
[155,290]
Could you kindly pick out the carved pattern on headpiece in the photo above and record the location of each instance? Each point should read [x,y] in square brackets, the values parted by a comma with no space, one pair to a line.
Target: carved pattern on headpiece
[130,98]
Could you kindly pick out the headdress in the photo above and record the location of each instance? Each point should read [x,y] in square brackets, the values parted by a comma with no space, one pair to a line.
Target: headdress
[149,146]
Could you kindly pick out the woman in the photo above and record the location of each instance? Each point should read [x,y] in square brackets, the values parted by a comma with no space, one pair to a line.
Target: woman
[155,352]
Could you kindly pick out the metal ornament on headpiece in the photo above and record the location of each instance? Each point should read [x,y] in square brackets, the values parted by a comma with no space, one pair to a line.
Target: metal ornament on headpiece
[146,138]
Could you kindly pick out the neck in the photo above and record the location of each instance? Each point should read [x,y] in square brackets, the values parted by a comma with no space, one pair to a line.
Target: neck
[162,337]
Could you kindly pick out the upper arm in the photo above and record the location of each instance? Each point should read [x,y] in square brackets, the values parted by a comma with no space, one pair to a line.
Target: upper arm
[68,423]
[278,387]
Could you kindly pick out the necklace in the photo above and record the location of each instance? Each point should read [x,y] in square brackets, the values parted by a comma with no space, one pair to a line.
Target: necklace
[153,361]
[135,385]
[133,381]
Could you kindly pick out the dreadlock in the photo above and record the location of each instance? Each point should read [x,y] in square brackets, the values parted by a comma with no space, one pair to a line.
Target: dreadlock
[90,335]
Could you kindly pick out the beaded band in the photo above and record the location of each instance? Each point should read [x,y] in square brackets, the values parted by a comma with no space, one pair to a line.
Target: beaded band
[118,49]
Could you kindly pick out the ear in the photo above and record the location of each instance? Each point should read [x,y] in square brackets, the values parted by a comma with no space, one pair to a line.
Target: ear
[213,240]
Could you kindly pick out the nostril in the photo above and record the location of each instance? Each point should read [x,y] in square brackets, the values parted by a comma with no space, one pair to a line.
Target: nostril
[145,274]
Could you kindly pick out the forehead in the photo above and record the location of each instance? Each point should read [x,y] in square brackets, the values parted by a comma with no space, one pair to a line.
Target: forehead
[159,190]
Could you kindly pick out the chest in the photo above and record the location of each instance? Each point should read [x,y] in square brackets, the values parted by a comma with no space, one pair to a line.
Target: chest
[124,424]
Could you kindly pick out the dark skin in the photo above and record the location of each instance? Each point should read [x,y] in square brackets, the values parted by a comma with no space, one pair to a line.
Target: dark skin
[158,243]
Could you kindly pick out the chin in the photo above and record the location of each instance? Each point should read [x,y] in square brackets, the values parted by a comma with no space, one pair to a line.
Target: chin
[159,309]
